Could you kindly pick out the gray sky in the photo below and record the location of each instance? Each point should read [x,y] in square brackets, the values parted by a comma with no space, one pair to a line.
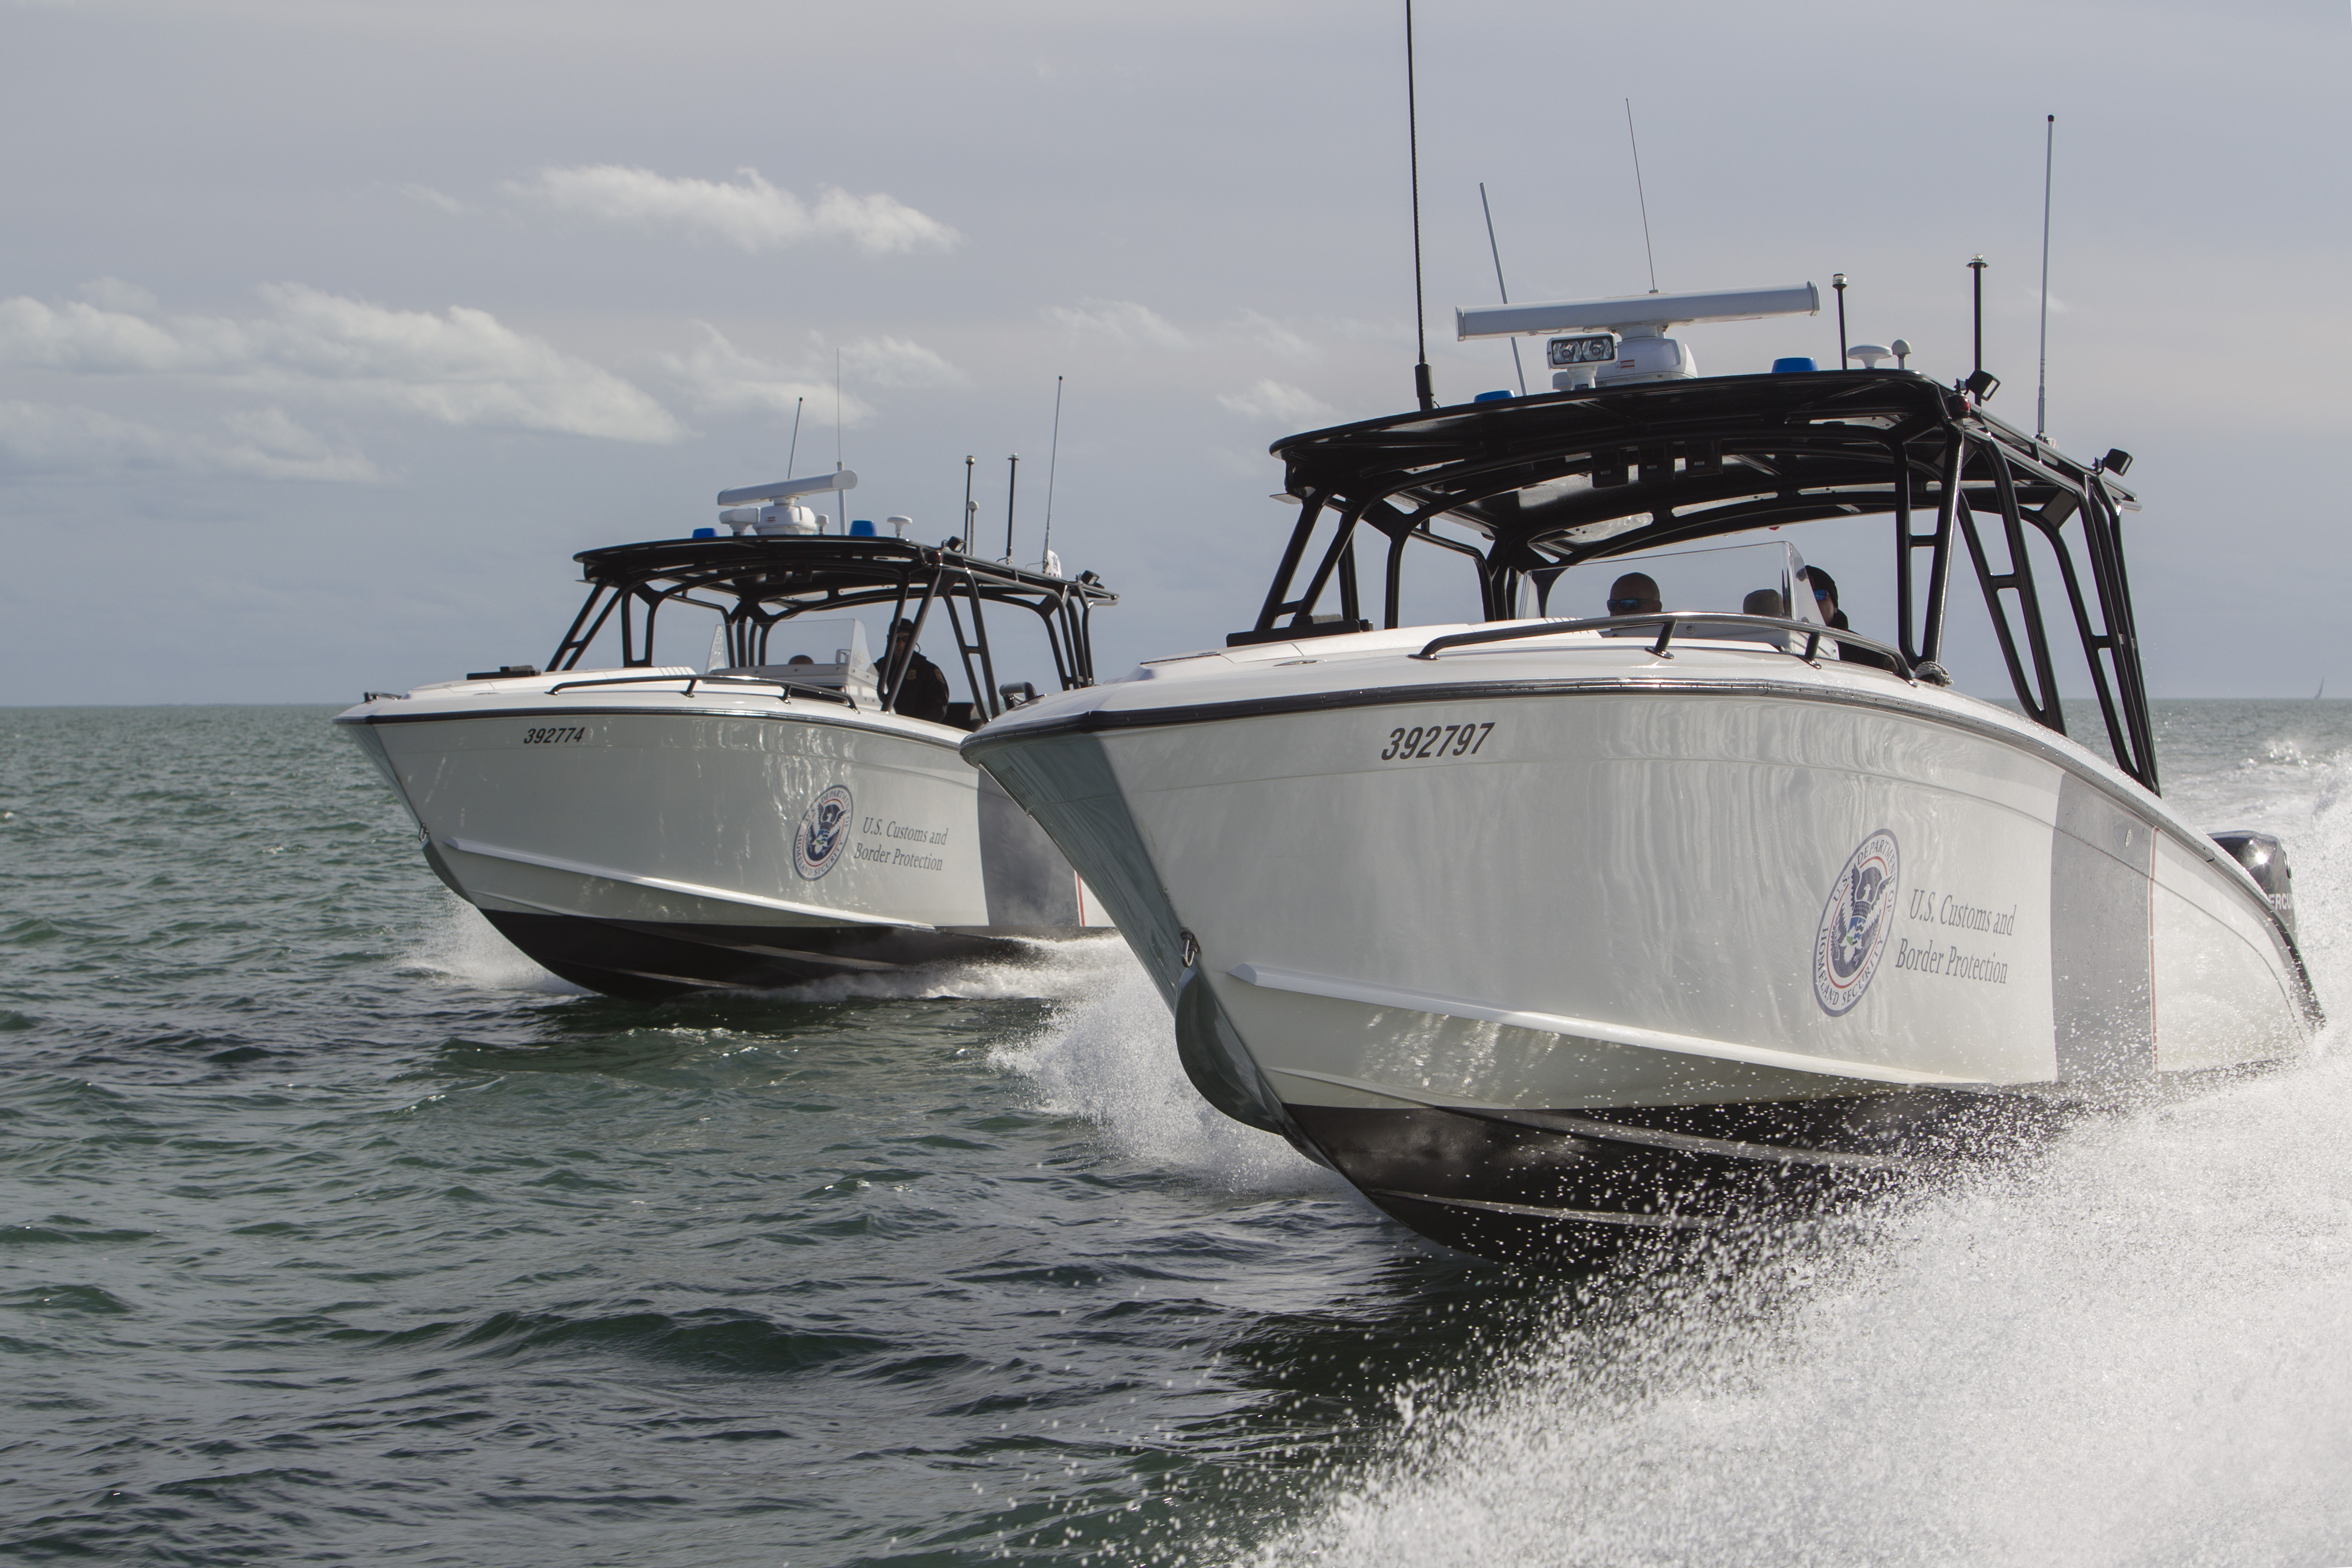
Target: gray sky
[329,331]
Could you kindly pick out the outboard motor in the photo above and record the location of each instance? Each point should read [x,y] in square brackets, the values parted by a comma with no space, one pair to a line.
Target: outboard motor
[2266,856]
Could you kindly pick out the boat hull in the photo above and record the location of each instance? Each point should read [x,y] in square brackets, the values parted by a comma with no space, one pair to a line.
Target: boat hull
[1644,950]
[647,845]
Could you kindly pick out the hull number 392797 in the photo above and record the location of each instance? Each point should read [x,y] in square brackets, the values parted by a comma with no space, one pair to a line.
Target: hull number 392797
[1435,740]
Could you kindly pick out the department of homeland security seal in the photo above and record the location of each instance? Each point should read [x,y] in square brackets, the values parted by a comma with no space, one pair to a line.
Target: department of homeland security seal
[823,835]
[1853,926]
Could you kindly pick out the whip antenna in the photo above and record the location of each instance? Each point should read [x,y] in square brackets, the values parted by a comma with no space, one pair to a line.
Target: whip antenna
[1053,467]
[2042,393]
[1634,142]
[1976,264]
[1413,146]
[1500,287]
[792,456]
[1012,484]
[970,510]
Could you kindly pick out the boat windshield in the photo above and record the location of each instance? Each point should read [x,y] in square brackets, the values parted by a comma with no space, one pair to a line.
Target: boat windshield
[829,651]
[1731,578]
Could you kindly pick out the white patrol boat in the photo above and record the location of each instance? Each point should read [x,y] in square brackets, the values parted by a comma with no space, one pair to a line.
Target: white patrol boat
[778,811]
[1551,932]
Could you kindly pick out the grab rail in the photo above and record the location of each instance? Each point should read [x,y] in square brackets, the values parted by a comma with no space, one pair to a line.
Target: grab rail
[785,688]
[1669,621]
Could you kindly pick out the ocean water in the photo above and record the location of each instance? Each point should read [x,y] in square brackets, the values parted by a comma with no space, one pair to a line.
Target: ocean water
[331,1230]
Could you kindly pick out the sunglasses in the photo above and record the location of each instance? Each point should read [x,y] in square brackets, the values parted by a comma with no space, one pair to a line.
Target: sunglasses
[1820,595]
[1625,606]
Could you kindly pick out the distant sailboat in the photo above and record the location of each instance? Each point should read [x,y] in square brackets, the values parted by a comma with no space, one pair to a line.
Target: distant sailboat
[2322,689]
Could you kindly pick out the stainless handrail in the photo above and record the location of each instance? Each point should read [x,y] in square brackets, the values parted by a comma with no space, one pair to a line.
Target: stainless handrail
[1669,621]
[786,688]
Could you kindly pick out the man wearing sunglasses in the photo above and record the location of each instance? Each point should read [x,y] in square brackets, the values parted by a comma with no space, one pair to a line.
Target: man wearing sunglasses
[1634,594]
[1825,596]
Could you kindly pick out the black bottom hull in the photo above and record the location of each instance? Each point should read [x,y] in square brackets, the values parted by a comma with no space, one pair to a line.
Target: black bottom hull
[1574,1187]
[645,962]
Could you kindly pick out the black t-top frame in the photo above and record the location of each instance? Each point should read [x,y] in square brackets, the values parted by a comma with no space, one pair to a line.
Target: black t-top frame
[756,582]
[1552,482]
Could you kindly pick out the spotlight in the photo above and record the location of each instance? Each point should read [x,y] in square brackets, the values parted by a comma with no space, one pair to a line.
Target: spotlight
[2116,461]
[1982,385]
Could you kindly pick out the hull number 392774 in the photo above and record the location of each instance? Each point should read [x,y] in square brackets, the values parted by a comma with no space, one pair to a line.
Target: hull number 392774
[1435,740]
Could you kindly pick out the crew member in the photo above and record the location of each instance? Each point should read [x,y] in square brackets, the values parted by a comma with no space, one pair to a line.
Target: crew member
[1825,596]
[1634,594]
[922,688]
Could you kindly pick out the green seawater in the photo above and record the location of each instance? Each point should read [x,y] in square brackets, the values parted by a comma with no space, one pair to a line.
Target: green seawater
[331,1230]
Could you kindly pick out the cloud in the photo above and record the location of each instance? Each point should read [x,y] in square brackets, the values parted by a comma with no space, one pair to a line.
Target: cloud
[462,367]
[1120,321]
[1280,402]
[1275,338]
[751,214]
[718,375]
[433,198]
[114,294]
[68,439]
[899,362]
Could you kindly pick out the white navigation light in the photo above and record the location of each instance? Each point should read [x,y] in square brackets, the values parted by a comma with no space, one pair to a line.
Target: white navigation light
[1576,361]
[784,490]
[1596,349]
[1643,315]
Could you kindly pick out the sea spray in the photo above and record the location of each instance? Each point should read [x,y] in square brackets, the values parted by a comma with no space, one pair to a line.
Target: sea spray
[1047,970]
[457,944]
[2131,1349]
[1112,1061]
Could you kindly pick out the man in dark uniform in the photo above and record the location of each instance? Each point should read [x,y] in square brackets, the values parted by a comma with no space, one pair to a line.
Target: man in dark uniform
[1825,596]
[922,688]
[1634,594]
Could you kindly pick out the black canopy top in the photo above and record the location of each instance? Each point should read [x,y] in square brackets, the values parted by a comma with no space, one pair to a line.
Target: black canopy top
[1575,475]
[1550,481]
[756,582]
[813,570]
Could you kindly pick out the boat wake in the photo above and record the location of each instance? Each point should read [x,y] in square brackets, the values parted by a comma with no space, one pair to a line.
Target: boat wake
[1051,971]
[2130,1350]
[1112,1061]
[461,948]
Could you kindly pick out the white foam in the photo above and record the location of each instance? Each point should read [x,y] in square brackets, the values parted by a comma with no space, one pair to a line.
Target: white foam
[458,945]
[1111,1060]
[2133,1350]
[2135,1354]
[1051,970]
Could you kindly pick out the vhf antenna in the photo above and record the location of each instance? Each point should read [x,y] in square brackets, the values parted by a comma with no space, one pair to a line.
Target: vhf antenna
[1976,265]
[1421,386]
[1053,467]
[1634,142]
[794,456]
[2042,391]
[1012,484]
[1500,287]
[970,506]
